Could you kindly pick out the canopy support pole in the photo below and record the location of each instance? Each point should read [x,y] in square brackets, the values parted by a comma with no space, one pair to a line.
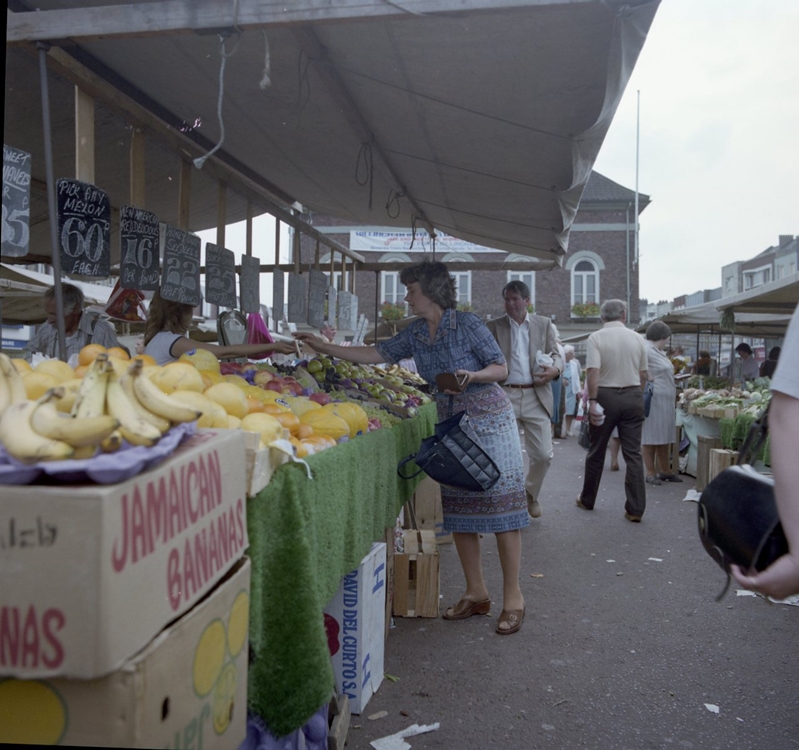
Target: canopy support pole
[43,47]
[377,304]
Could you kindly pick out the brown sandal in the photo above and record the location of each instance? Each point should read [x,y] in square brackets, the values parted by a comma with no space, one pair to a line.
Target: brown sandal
[466,608]
[512,617]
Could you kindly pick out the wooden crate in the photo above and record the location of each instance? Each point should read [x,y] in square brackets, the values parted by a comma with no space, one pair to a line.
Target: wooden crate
[338,719]
[720,459]
[427,506]
[705,444]
[416,575]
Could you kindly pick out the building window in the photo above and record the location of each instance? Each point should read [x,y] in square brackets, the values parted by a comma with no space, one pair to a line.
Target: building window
[757,277]
[585,283]
[391,289]
[463,284]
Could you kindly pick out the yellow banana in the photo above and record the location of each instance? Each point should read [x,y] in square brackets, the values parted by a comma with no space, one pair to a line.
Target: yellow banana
[5,393]
[86,451]
[23,442]
[16,388]
[112,443]
[126,381]
[77,431]
[152,398]
[131,426]
[90,401]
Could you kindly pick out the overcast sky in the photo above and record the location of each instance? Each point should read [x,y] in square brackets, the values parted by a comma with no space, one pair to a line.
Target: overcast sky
[719,122]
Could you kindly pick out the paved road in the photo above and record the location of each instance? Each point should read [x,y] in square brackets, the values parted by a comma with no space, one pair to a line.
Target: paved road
[618,650]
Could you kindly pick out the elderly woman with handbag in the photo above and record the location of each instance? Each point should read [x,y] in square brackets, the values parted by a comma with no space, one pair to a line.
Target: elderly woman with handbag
[445,341]
[659,427]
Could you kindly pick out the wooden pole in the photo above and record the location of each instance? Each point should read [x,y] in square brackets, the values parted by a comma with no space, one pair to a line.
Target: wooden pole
[249,228]
[184,194]
[138,144]
[84,136]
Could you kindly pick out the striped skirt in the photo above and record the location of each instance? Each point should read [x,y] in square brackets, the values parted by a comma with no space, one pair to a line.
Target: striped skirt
[504,506]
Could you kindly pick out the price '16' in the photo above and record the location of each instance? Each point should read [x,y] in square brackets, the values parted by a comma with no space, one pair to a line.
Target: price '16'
[139,252]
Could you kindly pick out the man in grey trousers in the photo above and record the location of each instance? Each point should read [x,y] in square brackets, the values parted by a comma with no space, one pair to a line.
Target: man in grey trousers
[521,336]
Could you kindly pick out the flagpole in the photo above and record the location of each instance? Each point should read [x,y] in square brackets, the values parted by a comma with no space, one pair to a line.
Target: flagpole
[637,142]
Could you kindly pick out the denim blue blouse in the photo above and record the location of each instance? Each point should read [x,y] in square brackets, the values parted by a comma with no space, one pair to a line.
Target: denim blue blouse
[462,343]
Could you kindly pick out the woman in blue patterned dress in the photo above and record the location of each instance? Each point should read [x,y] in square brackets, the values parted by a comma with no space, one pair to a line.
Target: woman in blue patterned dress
[444,340]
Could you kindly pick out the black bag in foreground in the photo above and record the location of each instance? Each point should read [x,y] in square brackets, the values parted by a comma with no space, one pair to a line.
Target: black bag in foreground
[738,520]
[584,438]
[453,456]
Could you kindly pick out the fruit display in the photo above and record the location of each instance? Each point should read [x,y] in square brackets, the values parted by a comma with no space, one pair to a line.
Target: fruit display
[52,412]
[112,403]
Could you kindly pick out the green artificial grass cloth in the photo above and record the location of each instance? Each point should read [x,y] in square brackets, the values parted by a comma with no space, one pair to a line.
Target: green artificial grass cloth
[305,536]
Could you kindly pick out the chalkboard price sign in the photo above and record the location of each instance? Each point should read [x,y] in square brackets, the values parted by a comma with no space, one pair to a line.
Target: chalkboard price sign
[250,284]
[317,291]
[296,298]
[84,228]
[16,201]
[220,276]
[138,238]
[180,276]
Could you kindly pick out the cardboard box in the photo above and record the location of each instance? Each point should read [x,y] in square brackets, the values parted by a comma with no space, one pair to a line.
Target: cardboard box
[416,575]
[89,574]
[187,688]
[428,511]
[355,622]
[261,462]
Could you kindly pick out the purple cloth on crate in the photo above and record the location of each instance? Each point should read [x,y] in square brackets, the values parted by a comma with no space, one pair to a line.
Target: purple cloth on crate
[106,468]
[314,734]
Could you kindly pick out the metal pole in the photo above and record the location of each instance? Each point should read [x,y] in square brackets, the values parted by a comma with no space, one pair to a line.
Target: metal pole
[377,304]
[637,138]
[43,47]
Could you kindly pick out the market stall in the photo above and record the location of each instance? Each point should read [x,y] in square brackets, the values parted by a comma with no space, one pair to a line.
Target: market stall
[305,535]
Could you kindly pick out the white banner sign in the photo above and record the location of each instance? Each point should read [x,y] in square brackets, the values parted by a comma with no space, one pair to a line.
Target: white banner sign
[400,241]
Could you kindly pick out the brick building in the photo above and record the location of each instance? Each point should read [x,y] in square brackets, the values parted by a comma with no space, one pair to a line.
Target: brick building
[599,265]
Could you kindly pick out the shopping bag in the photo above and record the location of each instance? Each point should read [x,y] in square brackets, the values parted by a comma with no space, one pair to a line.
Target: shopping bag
[453,456]
[257,332]
[738,519]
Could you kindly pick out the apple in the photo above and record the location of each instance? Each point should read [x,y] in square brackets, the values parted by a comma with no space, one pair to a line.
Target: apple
[274,385]
[247,366]
[320,398]
[262,377]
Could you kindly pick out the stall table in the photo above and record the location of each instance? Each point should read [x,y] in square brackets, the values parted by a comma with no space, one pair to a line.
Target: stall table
[305,535]
[694,425]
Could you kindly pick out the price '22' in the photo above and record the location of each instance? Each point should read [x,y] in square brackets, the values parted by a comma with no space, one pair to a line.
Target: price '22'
[77,241]
[173,275]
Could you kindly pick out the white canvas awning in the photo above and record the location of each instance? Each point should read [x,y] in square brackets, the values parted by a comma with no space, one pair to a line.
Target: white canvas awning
[479,118]
[21,293]
[776,297]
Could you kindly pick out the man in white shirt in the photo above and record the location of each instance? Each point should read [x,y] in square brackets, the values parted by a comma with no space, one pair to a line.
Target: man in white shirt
[521,336]
[615,375]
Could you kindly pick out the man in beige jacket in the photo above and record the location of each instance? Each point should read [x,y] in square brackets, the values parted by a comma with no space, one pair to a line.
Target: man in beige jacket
[521,336]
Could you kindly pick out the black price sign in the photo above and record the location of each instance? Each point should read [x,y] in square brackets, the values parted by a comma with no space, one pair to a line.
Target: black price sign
[139,240]
[296,298]
[16,201]
[180,276]
[220,276]
[84,228]
[250,284]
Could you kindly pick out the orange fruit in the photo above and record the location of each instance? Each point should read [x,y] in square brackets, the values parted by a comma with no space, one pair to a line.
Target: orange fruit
[253,405]
[304,431]
[289,420]
[118,351]
[81,370]
[273,408]
[89,353]
[146,359]
[300,450]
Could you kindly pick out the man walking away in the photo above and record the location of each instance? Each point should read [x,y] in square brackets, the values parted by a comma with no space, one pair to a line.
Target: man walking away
[521,336]
[616,372]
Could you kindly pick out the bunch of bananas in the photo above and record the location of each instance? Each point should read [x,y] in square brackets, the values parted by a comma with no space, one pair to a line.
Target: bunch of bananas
[405,374]
[111,405]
